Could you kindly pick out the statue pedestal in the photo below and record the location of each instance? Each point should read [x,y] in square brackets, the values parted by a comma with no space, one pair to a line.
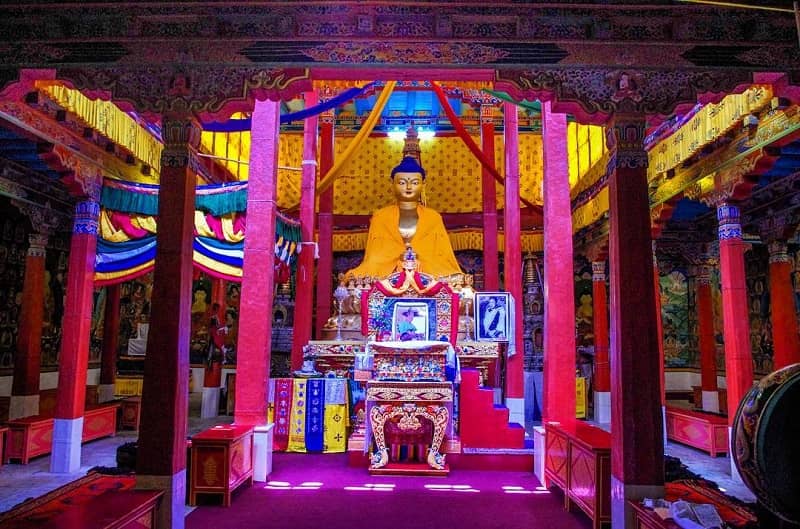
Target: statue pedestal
[415,416]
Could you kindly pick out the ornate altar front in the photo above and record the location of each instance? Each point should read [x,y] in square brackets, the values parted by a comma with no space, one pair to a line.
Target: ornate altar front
[409,405]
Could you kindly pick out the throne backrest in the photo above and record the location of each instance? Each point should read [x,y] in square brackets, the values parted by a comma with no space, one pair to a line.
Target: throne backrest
[379,304]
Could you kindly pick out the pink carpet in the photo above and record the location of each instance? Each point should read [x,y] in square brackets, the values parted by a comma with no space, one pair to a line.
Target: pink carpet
[321,491]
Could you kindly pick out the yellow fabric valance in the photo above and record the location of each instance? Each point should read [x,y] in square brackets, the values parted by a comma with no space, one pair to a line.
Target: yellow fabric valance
[591,211]
[707,125]
[107,118]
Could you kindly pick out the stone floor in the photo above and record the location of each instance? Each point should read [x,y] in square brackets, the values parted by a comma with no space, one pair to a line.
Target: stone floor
[20,482]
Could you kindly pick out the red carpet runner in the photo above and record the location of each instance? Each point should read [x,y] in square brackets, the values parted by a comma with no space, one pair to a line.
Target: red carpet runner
[321,491]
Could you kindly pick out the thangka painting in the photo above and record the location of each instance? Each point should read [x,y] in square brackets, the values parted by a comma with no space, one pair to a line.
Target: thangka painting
[675,320]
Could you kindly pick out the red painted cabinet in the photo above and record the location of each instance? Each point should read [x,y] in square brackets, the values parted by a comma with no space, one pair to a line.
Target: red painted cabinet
[221,460]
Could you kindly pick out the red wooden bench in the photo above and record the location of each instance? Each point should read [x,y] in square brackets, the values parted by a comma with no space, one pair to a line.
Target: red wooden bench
[91,502]
[578,461]
[33,436]
[702,430]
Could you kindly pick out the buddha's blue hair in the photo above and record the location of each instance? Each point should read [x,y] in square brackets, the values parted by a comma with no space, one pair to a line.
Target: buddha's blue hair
[409,165]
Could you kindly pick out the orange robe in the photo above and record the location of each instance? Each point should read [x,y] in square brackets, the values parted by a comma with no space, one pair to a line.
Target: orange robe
[385,247]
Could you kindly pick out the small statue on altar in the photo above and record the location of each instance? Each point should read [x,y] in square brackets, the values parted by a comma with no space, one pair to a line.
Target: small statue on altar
[407,223]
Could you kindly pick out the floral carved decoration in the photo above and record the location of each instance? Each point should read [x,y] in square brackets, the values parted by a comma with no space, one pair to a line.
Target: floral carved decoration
[408,53]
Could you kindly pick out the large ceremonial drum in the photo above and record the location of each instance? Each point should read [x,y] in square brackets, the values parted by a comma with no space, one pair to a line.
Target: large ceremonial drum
[766,442]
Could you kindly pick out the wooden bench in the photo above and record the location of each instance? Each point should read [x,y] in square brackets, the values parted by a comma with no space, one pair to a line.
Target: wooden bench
[578,461]
[33,436]
[702,430]
[91,502]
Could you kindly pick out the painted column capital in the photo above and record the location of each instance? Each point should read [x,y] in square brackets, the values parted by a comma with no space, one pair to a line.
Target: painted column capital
[702,273]
[778,252]
[626,134]
[730,224]
[85,221]
[487,113]
[328,117]
[44,219]
[180,133]
[599,271]
[37,245]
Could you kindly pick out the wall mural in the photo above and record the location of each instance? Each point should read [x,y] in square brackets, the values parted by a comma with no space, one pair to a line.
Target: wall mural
[716,303]
[584,310]
[757,273]
[14,230]
[675,320]
[13,248]
[55,284]
[215,321]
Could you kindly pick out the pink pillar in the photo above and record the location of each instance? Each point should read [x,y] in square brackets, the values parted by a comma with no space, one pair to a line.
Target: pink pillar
[304,300]
[325,223]
[736,321]
[27,360]
[784,318]
[707,343]
[515,399]
[637,462]
[108,360]
[602,373]
[161,457]
[559,297]
[491,272]
[76,328]
[258,283]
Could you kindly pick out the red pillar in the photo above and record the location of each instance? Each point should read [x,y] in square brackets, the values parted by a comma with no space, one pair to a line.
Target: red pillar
[219,295]
[75,335]
[325,224]
[637,461]
[736,321]
[491,272]
[515,399]
[258,283]
[784,318]
[27,361]
[108,359]
[304,299]
[602,373]
[708,346]
[161,457]
[559,297]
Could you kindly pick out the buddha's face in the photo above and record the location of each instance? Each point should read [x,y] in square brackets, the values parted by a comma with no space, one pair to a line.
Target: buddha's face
[407,186]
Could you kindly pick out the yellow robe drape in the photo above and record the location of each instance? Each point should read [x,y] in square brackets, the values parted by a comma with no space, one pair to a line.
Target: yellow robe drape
[385,247]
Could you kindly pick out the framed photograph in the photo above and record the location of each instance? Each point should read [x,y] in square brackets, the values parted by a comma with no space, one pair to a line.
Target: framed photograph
[411,320]
[492,316]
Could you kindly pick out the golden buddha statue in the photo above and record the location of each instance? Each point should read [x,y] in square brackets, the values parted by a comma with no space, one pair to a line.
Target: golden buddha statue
[406,224]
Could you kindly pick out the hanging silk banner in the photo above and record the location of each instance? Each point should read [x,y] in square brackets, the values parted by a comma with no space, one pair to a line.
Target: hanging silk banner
[297,417]
[283,407]
[242,125]
[469,142]
[315,414]
[363,133]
